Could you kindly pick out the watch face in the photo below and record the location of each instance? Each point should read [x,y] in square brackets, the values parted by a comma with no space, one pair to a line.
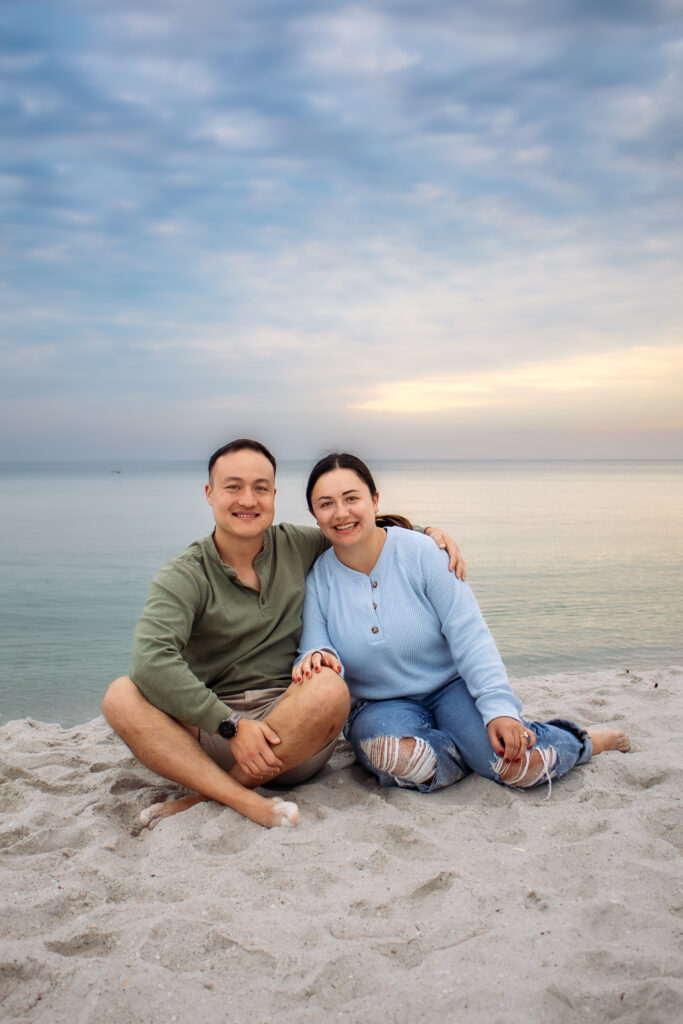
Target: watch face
[227,729]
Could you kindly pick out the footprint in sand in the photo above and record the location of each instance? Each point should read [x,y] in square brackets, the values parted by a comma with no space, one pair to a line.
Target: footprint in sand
[409,954]
[203,945]
[367,909]
[438,884]
[532,901]
[127,783]
[18,984]
[84,944]
[645,777]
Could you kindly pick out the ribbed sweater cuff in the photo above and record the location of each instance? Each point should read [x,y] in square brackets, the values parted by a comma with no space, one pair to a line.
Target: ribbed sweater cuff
[490,709]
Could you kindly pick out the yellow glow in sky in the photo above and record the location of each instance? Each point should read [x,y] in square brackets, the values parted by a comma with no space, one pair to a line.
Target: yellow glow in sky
[630,374]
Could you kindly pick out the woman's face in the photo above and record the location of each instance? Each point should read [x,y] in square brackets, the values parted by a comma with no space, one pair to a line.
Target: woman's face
[343,507]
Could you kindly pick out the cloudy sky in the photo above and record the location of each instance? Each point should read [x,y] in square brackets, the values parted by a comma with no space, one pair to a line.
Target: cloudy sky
[412,227]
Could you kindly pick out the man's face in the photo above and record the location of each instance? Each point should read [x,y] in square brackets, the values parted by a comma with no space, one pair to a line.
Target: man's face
[242,494]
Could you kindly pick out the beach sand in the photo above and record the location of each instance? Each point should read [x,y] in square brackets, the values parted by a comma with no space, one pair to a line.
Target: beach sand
[473,904]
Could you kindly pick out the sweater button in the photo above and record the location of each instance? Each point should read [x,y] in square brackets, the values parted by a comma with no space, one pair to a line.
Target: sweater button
[375,629]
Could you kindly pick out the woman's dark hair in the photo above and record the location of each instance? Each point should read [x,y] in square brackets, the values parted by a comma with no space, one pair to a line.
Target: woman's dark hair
[393,519]
[344,460]
[238,446]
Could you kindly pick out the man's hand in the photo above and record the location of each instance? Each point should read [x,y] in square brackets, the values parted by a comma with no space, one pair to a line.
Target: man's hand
[444,540]
[252,746]
[510,738]
[313,662]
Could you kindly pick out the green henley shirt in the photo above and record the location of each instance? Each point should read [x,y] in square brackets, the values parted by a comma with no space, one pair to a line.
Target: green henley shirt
[204,635]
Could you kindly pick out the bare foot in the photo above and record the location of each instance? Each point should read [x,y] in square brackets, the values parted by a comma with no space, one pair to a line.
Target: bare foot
[282,812]
[151,815]
[609,739]
[271,813]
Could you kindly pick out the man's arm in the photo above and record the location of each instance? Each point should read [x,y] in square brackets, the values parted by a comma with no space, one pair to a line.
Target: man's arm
[444,541]
[311,544]
[158,668]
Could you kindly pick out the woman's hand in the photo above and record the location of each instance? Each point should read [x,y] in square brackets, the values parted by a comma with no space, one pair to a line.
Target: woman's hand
[313,662]
[444,541]
[510,738]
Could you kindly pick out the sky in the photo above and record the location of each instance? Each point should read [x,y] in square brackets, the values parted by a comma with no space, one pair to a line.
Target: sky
[417,228]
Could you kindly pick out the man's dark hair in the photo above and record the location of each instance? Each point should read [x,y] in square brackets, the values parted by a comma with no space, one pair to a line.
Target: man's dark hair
[239,446]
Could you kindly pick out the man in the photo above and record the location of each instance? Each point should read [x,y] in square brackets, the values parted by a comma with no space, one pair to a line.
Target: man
[210,703]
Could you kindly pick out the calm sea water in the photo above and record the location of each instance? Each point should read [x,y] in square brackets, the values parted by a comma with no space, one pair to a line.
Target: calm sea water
[576,565]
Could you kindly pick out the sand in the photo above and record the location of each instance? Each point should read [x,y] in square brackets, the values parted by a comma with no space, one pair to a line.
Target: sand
[472,904]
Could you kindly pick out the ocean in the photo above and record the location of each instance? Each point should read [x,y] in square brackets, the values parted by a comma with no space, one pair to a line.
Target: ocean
[576,565]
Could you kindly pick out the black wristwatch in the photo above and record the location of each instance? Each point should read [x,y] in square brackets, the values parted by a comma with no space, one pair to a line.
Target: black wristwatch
[228,728]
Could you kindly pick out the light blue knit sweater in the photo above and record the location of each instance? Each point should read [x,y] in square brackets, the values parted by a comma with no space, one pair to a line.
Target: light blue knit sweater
[407,629]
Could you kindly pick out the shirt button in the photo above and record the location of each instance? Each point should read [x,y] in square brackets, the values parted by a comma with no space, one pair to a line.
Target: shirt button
[375,629]
[374,605]
[374,583]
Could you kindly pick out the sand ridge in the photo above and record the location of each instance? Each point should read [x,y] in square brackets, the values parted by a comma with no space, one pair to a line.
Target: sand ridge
[474,903]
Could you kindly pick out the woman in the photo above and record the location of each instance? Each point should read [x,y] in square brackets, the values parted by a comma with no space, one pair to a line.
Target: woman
[430,696]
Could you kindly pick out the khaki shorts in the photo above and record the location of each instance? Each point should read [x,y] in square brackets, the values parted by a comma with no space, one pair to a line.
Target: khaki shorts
[257,704]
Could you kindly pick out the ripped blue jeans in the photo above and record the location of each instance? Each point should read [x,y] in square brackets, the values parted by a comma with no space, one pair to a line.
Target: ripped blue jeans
[456,741]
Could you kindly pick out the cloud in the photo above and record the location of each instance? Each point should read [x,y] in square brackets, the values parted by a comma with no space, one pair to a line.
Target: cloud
[355,40]
[647,375]
[302,208]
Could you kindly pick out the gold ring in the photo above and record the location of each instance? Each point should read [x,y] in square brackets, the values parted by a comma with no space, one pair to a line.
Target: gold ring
[526,736]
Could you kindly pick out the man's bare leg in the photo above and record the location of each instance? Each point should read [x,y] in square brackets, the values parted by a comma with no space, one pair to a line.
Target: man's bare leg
[170,750]
[155,812]
[308,717]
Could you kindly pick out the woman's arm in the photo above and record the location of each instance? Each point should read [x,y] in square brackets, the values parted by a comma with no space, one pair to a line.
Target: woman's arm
[314,646]
[471,645]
